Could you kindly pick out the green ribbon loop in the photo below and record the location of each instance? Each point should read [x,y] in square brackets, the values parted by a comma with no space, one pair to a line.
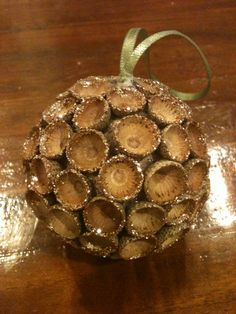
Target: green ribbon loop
[130,56]
[128,48]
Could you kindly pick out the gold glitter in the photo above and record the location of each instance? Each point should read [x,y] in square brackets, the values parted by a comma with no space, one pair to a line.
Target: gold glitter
[126,100]
[174,143]
[63,223]
[98,244]
[62,109]
[93,113]
[145,219]
[91,87]
[169,235]
[31,144]
[87,150]
[197,140]
[38,204]
[54,139]
[104,216]
[72,189]
[120,178]
[180,211]
[136,135]
[166,109]
[117,169]
[165,181]
[197,170]
[135,247]
[42,174]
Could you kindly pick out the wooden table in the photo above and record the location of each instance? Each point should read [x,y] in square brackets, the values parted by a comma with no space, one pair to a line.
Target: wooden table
[45,46]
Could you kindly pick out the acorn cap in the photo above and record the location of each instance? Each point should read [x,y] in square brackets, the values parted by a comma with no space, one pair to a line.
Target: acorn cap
[136,135]
[39,204]
[93,113]
[200,198]
[196,170]
[91,87]
[42,174]
[120,178]
[104,216]
[148,86]
[167,110]
[134,247]
[72,189]
[63,223]
[165,181]
[31,144]
[61,109]
[168,235]
[154,87]
[145,219]
[87,150]
[180,211]
[174,143]
[126,100]
[98,244]
[197,140]
[54,139]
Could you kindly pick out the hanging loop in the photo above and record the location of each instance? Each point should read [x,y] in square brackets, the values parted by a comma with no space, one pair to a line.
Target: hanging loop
[130,56]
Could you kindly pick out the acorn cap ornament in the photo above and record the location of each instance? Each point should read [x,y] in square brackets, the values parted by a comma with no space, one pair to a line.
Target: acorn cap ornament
[116,165]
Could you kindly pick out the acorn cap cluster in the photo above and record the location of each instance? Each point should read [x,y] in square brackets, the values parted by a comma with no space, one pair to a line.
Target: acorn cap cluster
[118,171]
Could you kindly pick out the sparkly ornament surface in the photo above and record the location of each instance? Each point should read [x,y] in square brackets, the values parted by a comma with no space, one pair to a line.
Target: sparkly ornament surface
[118,170]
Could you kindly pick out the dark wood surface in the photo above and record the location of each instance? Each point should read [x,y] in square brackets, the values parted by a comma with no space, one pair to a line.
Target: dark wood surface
[45,46]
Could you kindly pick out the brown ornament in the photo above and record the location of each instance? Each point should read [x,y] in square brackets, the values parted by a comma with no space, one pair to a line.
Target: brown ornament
[117,171]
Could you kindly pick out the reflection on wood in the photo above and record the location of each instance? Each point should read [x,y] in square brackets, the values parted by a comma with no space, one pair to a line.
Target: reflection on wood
[43,51]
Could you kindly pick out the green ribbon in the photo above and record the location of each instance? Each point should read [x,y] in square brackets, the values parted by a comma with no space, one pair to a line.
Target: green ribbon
[130,56]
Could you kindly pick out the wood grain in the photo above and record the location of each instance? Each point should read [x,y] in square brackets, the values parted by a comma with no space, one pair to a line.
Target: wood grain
[45,46]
